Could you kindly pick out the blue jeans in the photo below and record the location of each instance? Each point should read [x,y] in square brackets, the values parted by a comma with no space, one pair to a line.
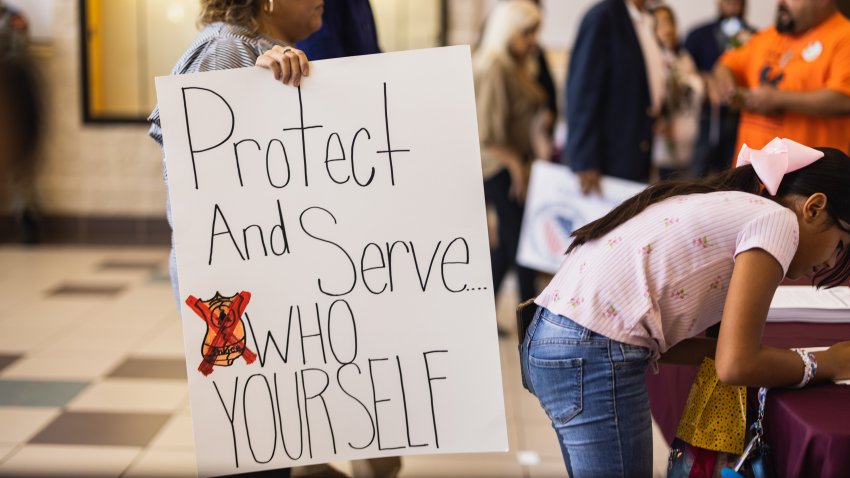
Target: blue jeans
[593,390]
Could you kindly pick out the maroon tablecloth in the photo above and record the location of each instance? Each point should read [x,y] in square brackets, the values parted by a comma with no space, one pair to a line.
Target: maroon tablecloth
[808,430]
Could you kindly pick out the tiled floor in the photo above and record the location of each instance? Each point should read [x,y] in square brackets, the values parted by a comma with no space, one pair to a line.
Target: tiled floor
[92,380]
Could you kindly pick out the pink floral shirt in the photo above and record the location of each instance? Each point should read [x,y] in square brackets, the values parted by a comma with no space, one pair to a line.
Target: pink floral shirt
[662,276]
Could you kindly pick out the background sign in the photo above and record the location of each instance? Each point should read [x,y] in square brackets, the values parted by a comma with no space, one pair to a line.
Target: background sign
[333,262]
[555,207]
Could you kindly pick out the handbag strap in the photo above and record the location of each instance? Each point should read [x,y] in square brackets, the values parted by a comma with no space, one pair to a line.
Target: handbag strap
[759,424]
[758,428]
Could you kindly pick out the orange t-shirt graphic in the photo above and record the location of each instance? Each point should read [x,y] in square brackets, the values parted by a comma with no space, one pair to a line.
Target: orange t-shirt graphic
[817,59]
[225,337]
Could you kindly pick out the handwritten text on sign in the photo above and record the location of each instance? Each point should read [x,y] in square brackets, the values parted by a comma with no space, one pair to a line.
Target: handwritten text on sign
[333,262]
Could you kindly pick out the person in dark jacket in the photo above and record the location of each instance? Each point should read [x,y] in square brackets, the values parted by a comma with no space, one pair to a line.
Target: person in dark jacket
[614,92]
[348,29]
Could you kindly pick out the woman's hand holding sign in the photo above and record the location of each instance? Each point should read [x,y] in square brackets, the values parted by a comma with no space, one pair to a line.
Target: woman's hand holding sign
[287,63]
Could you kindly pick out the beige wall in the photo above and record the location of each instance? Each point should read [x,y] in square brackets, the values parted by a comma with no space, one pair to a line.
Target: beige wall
[93,170]
[407,25]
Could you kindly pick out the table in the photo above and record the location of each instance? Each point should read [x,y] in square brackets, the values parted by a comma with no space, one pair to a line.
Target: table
[808,430]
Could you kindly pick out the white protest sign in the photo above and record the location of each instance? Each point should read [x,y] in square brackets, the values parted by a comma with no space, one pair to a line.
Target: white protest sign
[333,260]
[555,207]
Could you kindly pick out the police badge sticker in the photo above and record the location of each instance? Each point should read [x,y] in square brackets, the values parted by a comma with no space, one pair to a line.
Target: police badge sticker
[224,340]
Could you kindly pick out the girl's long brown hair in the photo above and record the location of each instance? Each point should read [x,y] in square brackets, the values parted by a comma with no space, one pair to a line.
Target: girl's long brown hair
[829,175]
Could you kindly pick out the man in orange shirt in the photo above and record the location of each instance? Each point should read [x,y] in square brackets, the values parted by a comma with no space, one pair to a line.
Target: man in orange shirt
[791,80]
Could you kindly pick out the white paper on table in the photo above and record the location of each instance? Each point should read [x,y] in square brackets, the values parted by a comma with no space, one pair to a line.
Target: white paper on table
[795,303]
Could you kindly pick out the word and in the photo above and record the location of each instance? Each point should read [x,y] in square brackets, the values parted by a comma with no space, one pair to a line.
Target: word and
[373,267]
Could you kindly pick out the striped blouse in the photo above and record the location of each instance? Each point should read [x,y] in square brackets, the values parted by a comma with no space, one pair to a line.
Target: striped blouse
[662,276]
[219,46]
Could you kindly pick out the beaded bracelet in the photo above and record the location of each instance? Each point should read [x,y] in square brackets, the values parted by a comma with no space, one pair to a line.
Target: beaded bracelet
[810,367]
[814,363]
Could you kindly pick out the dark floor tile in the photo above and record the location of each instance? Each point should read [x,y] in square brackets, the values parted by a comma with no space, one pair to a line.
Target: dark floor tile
[104,290]
[32,393]
[129,264]
[94,428]
[8,359]
[150,368]
[159,277]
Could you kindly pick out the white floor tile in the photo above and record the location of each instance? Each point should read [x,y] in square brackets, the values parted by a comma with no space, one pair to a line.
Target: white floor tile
[131,395]
[5,452]
[133,321]
[26,337]
[61,365]
[185,408]
[177,433]
[65,460]
[489,465]
[166,344]
[541,439]
[660,452]
[164,463]
[55,313]
[19,424]
[547,469]
[82,341]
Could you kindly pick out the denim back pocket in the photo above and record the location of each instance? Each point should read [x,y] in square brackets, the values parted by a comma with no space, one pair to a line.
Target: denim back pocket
[558,385]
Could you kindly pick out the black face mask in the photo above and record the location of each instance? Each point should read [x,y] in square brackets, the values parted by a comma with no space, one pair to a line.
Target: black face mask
[784,21]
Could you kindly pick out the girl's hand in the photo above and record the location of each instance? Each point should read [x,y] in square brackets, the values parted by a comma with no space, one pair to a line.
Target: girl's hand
[287,63]
[840,358]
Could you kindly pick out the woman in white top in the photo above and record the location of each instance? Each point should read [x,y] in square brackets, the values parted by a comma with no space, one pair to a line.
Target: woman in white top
[677,127]
[642,282]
